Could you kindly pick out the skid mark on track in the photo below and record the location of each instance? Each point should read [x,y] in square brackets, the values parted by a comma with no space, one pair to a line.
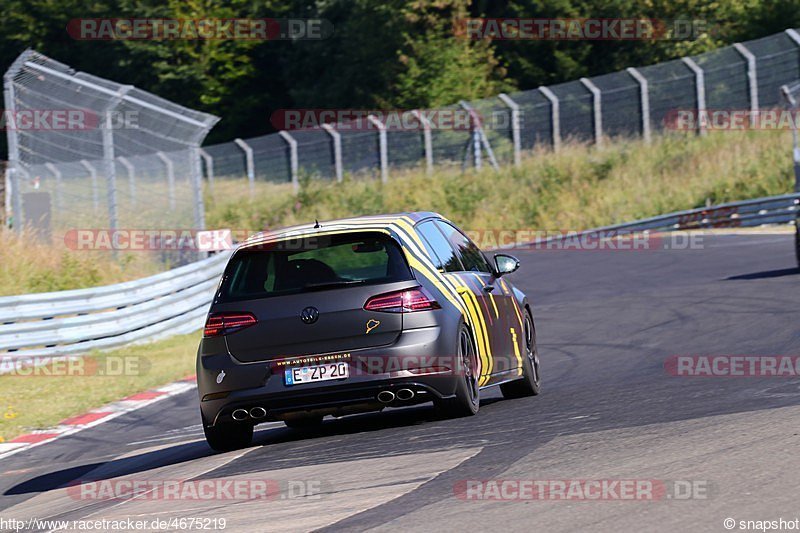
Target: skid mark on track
[350,487]
[63,504]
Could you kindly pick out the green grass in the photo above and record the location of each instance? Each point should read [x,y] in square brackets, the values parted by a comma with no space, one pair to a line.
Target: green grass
[40,401]
[578,188]
[27,266]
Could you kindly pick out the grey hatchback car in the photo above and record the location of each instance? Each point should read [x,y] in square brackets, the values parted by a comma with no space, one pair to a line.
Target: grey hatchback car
[356,315]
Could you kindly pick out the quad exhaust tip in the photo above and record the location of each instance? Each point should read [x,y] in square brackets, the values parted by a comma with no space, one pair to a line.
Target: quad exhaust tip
[405,394]
[258,412]
[239,415]
[385,396]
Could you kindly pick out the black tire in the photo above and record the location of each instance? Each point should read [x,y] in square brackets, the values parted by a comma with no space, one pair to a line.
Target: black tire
[531,381]
[306,422]
[228,437]
[467,399]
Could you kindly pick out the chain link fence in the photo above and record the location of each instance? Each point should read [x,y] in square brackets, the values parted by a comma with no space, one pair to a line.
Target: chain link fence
[636,102]
[791,99]
[86,152]
[150,173]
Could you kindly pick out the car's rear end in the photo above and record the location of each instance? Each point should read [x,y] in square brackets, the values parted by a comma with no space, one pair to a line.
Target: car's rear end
[326,323]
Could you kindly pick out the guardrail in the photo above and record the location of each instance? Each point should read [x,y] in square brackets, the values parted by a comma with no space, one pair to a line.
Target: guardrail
[784,209]
[77,321]
[176,301]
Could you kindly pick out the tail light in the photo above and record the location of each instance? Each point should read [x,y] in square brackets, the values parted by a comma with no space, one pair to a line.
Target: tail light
[405,301]
[226,323]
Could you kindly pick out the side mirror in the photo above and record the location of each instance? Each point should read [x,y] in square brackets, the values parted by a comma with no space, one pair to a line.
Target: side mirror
[505,264]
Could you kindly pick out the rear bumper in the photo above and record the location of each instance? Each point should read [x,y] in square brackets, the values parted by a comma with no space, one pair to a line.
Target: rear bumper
[420,360]
[338,401]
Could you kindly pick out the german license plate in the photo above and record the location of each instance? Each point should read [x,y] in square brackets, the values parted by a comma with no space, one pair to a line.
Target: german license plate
[312,374]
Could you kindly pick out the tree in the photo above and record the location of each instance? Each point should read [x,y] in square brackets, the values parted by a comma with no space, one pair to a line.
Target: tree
[533,63]
[439,66]
[208,74]
[383,53]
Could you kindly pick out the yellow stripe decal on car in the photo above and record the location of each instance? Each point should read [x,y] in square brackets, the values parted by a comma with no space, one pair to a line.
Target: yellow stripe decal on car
[478,288]
[484,349]
[469,305]
[491,296]
[516,351]
[514,339]
[514,301]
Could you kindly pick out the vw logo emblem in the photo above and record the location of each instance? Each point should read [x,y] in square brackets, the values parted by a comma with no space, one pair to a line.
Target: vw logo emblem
[309,315]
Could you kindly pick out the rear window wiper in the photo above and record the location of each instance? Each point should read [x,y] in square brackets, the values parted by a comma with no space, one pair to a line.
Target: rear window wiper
[332,284]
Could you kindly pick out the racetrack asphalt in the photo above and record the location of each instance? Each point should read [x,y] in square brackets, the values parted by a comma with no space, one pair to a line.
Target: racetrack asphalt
[607,321]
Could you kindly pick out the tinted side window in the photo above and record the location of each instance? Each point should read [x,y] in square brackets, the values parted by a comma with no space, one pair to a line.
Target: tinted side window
[471,256]
[438,248]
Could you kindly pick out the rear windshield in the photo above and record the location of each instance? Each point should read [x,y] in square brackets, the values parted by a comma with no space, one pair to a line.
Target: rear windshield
[313,264]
